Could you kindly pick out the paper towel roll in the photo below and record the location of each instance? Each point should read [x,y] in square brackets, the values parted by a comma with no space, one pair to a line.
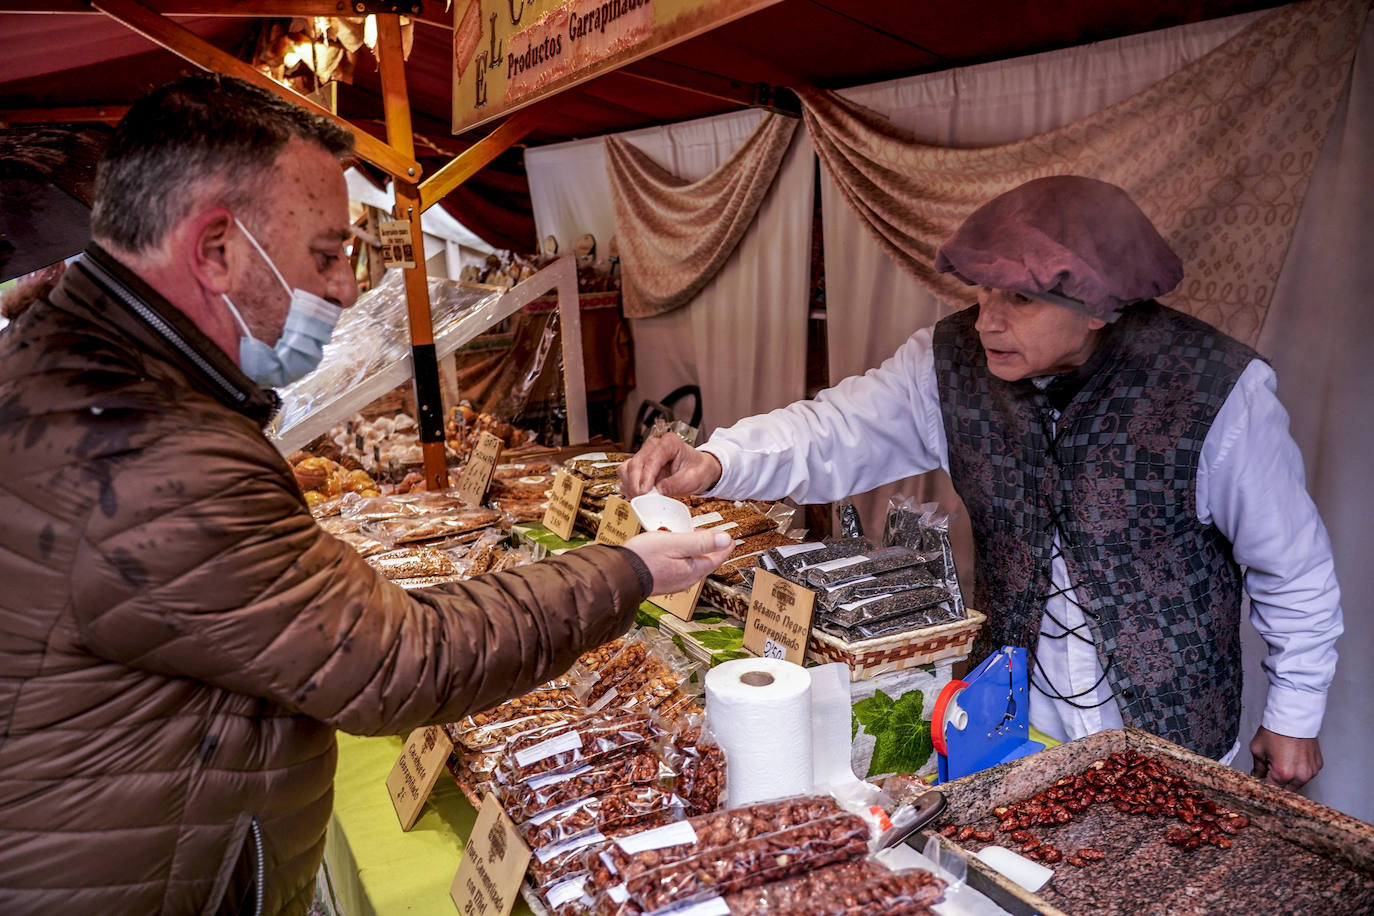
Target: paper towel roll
[759,709]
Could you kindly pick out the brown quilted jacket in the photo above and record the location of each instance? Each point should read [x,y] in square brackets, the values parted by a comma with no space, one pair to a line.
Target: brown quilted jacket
[179,640]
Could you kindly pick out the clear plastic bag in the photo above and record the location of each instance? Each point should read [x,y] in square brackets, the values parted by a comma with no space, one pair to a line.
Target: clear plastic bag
[588,739]
[862,887]
[700,764]
[739,865]
[878,562]
[609,811]
[533,796]
[703,835]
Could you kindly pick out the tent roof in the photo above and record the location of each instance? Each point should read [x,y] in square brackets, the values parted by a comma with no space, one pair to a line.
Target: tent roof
[84,59]
[79,58]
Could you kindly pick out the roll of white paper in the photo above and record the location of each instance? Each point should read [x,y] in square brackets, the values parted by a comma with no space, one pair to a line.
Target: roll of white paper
[759,709]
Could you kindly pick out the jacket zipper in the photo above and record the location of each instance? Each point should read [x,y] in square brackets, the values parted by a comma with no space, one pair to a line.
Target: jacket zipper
[156,322]
[260,872]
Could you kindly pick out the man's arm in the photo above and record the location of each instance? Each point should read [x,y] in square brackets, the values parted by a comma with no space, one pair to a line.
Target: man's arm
[1251,485]
[868,430]
[210,568]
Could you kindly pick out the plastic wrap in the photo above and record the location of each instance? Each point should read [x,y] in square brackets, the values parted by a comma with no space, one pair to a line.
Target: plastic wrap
[372,343]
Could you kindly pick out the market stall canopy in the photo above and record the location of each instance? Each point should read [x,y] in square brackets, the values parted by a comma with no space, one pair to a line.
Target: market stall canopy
[46,180]
[84,60]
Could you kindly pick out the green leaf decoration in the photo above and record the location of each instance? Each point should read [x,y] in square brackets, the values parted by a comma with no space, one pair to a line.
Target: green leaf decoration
[901,737]
[720,638]
[872,713]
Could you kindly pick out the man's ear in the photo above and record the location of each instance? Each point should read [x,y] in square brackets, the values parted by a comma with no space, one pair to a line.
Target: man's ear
[207,240]
[1096,324]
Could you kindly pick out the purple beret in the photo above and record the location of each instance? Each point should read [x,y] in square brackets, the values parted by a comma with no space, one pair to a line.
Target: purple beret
[1074,241]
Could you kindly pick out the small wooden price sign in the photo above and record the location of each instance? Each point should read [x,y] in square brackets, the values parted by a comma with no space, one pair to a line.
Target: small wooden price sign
[416,771]
[680,604]
[398,249]
[618,522]
[778,622]
[494,861]
[564,498]
[472,487]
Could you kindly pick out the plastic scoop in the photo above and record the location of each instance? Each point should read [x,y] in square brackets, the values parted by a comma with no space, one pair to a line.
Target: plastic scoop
[658,512]
[1030,875]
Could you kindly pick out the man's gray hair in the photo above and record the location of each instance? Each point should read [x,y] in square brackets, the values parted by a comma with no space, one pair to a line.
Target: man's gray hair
[183,136]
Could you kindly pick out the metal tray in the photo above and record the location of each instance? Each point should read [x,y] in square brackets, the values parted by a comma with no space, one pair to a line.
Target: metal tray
[1296,855]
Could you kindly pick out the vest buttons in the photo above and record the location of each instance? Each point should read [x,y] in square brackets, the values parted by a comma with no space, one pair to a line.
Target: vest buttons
[1127,694]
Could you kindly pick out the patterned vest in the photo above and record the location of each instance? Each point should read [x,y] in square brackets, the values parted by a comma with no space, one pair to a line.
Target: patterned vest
[1160,590]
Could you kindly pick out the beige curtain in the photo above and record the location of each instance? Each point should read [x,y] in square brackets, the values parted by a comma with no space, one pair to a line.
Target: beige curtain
[674,234]
[1218,155]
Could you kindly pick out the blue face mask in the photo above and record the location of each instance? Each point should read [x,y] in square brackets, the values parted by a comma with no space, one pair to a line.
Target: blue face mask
[309,322]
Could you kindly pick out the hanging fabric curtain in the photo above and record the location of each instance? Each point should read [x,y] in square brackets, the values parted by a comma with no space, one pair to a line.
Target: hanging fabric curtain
[675,235]
[1218,155]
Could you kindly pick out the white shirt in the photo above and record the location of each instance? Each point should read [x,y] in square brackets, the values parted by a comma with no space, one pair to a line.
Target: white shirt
[886,425]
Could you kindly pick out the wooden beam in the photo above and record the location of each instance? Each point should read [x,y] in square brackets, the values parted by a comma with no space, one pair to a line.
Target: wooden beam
[433,12]
[200,7]
[429,400]
[472,160]
[185,43]
[107,113]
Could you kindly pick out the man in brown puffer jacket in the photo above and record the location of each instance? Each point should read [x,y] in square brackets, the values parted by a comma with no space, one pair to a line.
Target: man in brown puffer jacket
[179,639]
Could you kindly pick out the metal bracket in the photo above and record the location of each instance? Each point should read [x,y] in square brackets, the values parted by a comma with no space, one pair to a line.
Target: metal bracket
[778,99]
[392,7]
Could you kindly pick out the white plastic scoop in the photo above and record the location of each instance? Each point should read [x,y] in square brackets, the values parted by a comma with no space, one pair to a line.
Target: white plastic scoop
[658,512]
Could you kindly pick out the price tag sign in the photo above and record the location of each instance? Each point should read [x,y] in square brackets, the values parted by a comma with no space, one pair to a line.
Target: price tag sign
[398,249]
[618,522]
[564,498]
[472,487]
[778,622]
[494,861]
[416,771]
[680,604]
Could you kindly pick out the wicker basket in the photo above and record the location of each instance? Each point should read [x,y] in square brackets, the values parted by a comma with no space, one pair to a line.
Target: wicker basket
[870,657]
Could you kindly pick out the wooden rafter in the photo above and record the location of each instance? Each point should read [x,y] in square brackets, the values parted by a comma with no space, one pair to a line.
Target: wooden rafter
[192,47]
[107,113]
[476,157]
[433,14]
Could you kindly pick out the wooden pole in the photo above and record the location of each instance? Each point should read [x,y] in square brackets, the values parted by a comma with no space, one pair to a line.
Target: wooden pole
[429,402]
[182,41]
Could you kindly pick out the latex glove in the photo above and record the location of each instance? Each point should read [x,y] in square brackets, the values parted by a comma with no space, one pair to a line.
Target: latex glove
[679,560]
[672,465]
[1286,762]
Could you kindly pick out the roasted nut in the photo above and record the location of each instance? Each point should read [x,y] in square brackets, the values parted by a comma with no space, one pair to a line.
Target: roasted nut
[1075,860]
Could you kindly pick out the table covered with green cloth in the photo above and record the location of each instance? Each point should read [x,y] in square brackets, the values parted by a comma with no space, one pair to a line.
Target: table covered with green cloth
[374,867]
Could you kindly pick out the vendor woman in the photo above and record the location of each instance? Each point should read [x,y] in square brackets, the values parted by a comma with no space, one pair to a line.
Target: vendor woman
[1127,470]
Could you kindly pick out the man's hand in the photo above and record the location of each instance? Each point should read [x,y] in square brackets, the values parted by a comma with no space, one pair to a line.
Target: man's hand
[672,465]
[680,560]
[1286,762]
